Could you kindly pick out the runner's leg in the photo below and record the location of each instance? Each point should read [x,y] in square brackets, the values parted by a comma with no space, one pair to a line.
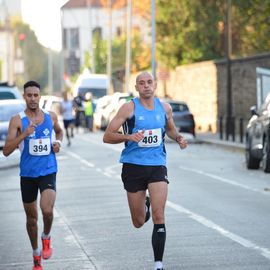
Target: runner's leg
[158,194]
[136,201]
[31,222]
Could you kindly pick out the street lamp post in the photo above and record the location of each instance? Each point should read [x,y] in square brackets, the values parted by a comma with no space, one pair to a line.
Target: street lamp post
[153,33]
[229,119]
[109,46]
[128,44]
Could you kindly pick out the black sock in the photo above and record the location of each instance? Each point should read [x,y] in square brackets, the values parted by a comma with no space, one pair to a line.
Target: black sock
[158,241]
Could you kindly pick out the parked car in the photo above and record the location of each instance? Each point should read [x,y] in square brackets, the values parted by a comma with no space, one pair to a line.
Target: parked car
[183,118]
[8,108]
[258,137]
[107,107]
[9,92]
[51,103]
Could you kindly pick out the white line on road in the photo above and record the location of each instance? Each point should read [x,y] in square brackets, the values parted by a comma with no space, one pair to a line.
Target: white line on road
[202,220]
[224,180]
[208,223]
[84,161]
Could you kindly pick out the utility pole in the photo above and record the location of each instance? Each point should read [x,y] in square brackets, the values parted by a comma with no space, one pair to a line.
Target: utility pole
[50,72]
[128,44]
[109,52]
[229,122]
[153,32]
[92,53]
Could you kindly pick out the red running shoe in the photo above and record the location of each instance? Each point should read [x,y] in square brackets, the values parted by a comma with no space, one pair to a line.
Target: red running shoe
[46,248]
[37,263]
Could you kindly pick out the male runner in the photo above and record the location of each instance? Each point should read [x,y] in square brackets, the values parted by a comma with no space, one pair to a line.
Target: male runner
[38,135]
[145,121]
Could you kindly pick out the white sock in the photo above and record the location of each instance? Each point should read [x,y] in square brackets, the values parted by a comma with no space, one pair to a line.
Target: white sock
[36,252]
[44,236]
[158,265]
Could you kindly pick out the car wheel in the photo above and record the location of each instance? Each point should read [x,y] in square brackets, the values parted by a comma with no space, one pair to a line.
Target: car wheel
[251,162]
[266,156]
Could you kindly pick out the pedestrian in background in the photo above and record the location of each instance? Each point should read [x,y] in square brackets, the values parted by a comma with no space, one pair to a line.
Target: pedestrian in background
[89,111]
[145,120]
[79,111]
[68,118]
[38,135]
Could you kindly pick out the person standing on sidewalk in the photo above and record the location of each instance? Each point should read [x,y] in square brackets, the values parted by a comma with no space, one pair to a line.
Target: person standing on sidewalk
[145,121]
[68,119]
[38,135]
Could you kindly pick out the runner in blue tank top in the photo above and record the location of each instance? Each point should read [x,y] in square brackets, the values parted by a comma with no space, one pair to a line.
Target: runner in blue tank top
[145,121]
[39,136]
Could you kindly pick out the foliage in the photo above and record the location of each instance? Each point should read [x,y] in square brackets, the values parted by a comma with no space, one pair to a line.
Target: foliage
[194,30]
[33,54]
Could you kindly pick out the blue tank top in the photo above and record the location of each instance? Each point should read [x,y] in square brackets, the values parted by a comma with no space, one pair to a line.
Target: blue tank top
[37,156]
[151,150]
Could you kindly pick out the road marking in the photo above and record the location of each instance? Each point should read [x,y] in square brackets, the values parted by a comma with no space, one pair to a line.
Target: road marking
[82,160]
[224,180]
[202,220]
[111,146]
[208,223]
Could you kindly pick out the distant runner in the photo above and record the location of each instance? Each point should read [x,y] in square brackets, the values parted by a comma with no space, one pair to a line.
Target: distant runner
[145,120]
[38,135]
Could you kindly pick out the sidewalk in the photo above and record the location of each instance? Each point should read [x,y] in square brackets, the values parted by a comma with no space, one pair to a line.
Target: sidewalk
[212,138]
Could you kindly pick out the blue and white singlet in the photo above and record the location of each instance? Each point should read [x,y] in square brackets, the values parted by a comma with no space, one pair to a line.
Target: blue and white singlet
[37,156]
[151,150]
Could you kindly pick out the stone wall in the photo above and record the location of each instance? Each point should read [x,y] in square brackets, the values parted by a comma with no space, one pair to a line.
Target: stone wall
[203,86]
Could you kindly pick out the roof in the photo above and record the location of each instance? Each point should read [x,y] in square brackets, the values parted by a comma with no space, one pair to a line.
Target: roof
[82,3]
[92,3]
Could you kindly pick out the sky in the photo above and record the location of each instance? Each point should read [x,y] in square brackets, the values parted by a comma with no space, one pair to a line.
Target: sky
[44,18]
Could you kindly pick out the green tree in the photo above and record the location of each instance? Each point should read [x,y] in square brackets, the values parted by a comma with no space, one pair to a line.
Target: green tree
[34,55]
[193,30]
[189,30]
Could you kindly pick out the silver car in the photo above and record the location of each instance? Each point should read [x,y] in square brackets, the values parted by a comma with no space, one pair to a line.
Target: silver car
[8,108]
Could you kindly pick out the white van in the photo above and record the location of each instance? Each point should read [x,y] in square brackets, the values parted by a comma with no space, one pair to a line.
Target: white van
[97,84]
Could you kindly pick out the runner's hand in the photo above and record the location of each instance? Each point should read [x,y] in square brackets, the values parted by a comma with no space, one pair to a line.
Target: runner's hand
[181,141]
[30,129]
[56,147]
[136,137]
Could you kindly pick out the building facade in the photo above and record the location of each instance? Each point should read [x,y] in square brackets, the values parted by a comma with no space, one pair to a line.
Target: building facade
[81,19]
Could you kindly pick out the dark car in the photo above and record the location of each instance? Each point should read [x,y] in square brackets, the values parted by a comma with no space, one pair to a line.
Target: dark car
[258,136]
[8,108]
[183,118]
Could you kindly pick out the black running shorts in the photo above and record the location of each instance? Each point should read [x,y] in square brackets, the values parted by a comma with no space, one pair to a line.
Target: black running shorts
[31,185]
[137,177]
[67,123]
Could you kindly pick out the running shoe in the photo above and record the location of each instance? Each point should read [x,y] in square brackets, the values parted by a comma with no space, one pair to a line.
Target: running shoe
[37,263]
[147,204]
[46,248]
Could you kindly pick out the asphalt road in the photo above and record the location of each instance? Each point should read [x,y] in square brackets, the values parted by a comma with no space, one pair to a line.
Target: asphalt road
[217,215]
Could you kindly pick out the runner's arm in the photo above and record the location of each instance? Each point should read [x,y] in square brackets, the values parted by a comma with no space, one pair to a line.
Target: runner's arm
[171,130]
[58,133]
[112,135]
[15,136]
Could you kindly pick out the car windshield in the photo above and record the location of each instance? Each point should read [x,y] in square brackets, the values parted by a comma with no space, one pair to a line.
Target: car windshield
[6,95]
[178,107]
[7,111]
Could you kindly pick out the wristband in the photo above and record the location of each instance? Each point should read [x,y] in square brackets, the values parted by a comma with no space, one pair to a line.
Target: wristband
[58,141]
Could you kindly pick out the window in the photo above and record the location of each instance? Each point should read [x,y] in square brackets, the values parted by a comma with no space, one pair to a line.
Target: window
[71,38]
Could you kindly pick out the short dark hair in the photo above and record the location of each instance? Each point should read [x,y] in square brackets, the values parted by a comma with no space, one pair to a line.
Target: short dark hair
[31,83]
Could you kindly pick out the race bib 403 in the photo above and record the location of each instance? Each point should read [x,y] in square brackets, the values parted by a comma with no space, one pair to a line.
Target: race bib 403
[152,138]
[40,147]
